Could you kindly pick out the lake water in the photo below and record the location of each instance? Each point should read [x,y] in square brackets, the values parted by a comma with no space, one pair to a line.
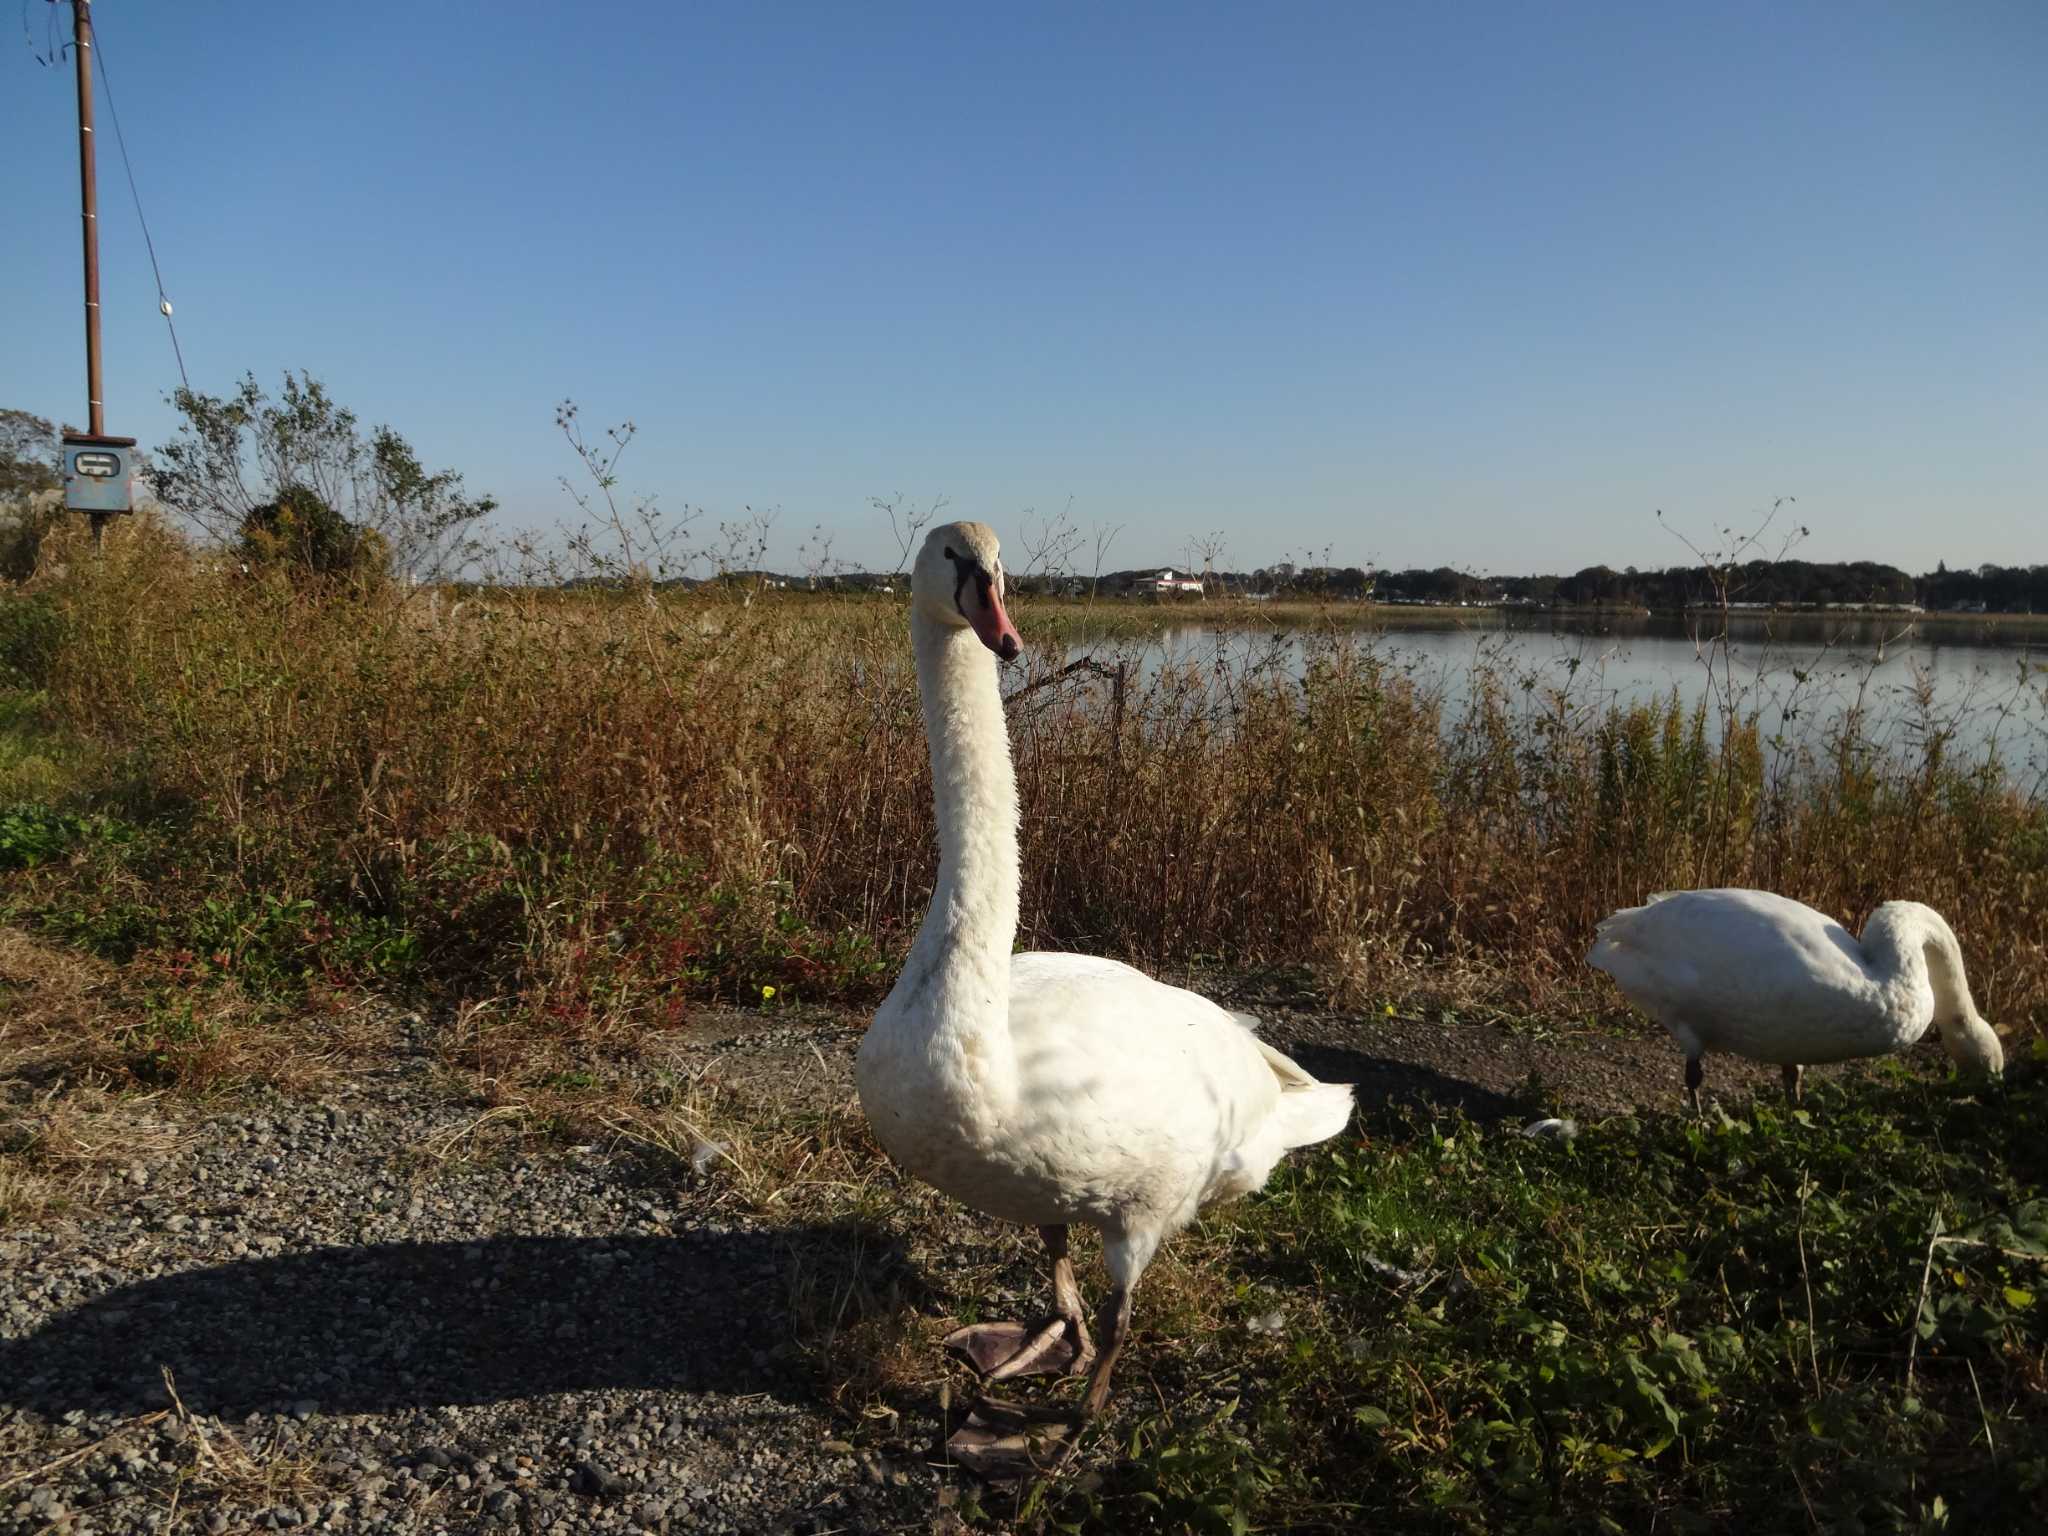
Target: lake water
[1983,685]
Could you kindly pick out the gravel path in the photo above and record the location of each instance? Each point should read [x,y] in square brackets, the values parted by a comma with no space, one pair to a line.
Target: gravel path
[376,1316]
[366,1335]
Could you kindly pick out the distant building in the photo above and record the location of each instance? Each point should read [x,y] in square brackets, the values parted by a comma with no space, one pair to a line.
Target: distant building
[1166,584]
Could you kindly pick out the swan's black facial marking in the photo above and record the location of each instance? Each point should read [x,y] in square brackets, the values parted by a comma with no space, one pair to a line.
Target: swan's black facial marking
[964,568]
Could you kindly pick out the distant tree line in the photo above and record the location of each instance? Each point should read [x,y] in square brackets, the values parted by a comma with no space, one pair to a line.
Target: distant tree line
[1788,582]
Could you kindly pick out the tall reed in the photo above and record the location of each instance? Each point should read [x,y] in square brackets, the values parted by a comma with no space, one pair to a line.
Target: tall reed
[601,799]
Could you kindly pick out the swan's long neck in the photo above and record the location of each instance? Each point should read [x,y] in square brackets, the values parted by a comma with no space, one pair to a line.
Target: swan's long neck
[956,981]
[1912,948]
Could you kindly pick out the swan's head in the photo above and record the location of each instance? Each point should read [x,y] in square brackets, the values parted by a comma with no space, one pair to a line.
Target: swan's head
[1973,1045]
[958,582]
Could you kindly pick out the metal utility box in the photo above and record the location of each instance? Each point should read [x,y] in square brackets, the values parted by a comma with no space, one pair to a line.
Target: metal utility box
[99,473]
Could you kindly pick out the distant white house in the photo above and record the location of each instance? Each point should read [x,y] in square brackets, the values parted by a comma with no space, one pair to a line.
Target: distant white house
[1166,584]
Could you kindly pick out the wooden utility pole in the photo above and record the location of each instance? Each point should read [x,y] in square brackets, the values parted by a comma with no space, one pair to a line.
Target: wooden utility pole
[96,480]
[89,204]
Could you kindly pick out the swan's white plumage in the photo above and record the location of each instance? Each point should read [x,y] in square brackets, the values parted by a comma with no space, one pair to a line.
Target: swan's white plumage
[1051,1088]
[1136,1103]
[1762,976]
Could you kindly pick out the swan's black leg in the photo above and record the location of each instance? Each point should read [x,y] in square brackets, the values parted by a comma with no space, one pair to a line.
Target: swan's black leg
[1695,1074]
[1115,1323]
[1794,1085]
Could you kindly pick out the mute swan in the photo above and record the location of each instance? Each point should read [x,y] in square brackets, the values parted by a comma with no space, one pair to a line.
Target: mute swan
[1769,978]
[1047,1089]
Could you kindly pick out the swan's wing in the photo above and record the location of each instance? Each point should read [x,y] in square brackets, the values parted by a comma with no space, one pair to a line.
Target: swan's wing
[1129,1063]
[1740,970]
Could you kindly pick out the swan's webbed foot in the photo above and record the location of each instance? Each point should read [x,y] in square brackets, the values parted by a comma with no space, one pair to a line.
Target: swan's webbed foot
[1002,1441]
[1053,1346]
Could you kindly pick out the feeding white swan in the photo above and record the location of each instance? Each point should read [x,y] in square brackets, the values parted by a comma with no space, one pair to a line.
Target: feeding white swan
[1769,978]
[1047,1089]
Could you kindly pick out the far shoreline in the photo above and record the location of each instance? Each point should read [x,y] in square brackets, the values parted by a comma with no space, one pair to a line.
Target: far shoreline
[1242,612]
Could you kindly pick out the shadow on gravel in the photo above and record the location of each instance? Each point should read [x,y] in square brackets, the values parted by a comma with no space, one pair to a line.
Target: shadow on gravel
[397,1325]
[1384,1084]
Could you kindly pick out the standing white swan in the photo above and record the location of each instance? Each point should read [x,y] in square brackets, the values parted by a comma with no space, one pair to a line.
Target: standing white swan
[1769,978]
[1046,1089]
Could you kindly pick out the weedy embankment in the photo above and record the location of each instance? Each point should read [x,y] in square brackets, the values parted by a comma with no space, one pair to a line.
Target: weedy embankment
[594,805]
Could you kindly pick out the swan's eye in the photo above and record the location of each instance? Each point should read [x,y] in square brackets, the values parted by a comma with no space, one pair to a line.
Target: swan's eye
[949,553]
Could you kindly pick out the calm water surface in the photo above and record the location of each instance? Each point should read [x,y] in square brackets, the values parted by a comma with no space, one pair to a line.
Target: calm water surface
[1986,688]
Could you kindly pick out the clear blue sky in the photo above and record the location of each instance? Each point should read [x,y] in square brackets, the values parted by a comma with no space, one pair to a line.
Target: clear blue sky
[1470,284]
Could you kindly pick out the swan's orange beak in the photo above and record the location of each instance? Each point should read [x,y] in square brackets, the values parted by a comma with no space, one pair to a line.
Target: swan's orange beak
[991,622]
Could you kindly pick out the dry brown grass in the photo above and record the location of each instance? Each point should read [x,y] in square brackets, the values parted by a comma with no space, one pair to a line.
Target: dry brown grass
[220,1466]
[77,1024]
[593,808]
[63,1132]
[93,1067]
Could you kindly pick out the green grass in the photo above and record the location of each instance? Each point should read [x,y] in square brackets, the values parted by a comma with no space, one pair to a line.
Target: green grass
[38,760]
[1658,1325]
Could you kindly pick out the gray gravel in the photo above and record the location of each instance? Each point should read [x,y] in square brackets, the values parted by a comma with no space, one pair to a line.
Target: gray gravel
[365,1336]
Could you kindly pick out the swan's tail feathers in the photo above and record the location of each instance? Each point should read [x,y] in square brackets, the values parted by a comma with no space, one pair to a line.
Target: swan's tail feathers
[1310,1111]
[1315,1113]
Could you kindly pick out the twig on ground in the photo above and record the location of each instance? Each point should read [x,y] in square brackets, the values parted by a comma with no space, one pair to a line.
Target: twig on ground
[1806,1279]
[1990,1441]
[1920,1306]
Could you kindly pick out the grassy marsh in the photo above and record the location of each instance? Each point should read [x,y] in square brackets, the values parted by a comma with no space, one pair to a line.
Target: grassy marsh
[602,807]
[566,821]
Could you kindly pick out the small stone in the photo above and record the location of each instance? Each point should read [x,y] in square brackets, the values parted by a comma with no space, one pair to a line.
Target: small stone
[592,1477]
